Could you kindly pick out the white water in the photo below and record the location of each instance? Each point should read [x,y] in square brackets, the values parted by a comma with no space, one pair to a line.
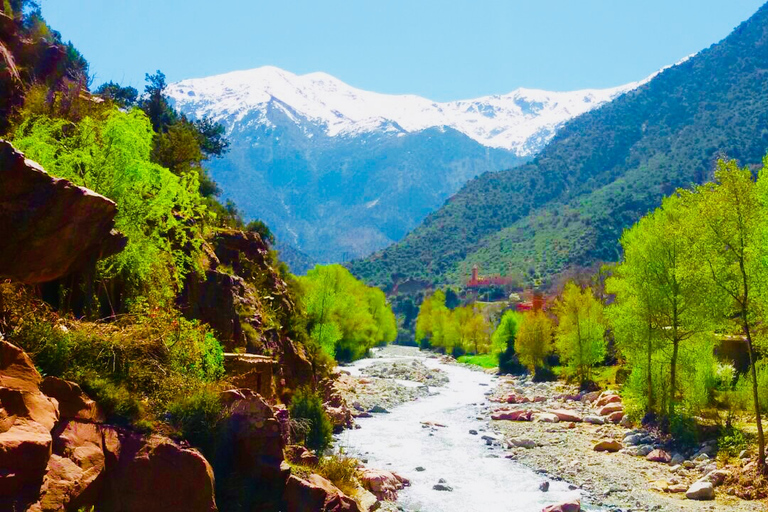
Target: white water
[481,478]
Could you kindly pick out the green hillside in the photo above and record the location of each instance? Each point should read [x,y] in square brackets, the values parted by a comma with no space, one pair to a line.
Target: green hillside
[602,172]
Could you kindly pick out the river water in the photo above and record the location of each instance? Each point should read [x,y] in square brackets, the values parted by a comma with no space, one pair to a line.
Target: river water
[481,478]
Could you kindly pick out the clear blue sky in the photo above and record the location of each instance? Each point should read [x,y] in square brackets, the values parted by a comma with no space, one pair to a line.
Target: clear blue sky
[441,49]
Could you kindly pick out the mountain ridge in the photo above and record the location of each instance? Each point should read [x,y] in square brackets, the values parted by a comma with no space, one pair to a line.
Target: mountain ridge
[601,172]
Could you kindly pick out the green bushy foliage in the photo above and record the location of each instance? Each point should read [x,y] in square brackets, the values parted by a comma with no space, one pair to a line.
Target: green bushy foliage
[458,331]
[134,367]
[196,416]
[345,317]
[307,404]
[111,155]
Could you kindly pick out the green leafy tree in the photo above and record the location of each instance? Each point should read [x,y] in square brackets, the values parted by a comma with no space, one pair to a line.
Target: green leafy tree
[112,157]
[580,333]
[534,339]
[674,301]
[346,317]
[728,227]
[503,342]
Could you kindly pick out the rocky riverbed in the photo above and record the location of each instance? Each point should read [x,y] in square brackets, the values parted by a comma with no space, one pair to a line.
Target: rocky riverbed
[635,469]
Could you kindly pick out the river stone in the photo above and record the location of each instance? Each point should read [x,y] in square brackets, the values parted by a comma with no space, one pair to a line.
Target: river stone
[442,487]
[544,486]
[523,443]
[595,420]
[677,459]
[700,491]
[607,445]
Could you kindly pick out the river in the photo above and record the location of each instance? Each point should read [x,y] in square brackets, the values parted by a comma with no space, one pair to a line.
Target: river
[481,478]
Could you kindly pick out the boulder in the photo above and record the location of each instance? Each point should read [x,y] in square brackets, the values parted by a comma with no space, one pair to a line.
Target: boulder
[608,445]
[545,417]
[341,417]
[616,417]
[253,438]
[677,458]
[522,442]
[50,226]
[383,484]
[716,477]
[25,448]
[73,402]
[607,399]
[316,494]
[512,415]
[297,454]
[590,397]
[569,506]
[158,475]
[700,491]
[659,456]
[567,415]
[75,470]
[611,408]
[17,371]
[595,420]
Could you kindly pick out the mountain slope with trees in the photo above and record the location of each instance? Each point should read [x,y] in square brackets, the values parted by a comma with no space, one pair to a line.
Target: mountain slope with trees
[602,172]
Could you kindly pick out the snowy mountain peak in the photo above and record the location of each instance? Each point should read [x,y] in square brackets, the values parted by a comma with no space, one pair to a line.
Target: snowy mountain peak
[521,121]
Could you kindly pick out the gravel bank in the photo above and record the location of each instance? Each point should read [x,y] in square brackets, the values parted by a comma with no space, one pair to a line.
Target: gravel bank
[564,451]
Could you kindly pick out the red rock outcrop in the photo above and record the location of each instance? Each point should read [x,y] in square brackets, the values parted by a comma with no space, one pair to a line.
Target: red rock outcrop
[50,227]
[316,494]
[383,484]
[157,475]
[55,454]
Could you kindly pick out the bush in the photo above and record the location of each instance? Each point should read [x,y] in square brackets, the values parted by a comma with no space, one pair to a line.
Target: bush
[544,374]
[341,471]
[196,417]
[306,404]
[732,441]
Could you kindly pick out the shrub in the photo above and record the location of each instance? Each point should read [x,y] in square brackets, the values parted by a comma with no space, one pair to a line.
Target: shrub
[197,416]
[306,404]
[341,471]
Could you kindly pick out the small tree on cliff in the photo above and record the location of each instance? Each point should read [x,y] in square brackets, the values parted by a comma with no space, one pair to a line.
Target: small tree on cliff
[307,405]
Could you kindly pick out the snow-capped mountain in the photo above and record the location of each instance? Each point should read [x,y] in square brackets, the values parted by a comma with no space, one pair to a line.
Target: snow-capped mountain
[339,172]
[521,121]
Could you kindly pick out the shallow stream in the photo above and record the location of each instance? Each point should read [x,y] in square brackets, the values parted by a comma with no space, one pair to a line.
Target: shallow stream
[481,478]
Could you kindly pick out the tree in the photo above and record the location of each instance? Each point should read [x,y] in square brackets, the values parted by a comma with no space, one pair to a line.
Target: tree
[308,406]
[580,333]
[659,252]
[346,317]
[534,339]
[503,342]
[631,316]
[727,221]
[124,97]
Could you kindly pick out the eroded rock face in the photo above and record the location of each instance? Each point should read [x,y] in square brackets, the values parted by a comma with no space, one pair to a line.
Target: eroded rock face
[55,454]
[50,227]
[26,419]
[250,450]
[73,402]
[156,474]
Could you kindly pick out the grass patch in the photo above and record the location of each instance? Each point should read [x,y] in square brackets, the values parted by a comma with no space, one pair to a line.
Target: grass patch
[481,360]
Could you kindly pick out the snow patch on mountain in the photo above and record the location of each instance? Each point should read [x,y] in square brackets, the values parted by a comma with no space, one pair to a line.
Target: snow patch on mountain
[522,121]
